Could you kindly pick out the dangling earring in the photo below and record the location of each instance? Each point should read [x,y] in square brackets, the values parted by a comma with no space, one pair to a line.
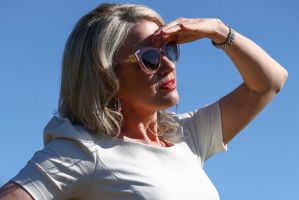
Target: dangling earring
[115,104]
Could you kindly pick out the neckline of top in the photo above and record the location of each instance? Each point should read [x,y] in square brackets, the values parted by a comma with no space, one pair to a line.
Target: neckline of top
[121,141]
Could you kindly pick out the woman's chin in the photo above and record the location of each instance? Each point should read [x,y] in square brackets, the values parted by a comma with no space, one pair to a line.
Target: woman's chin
[170,100]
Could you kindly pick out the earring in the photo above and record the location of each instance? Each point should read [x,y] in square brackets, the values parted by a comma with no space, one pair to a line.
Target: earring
[115,104]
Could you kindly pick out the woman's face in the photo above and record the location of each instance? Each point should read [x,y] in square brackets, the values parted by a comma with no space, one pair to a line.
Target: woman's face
[139,90]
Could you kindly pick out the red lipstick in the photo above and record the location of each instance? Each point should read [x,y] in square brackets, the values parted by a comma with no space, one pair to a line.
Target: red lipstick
[168,85]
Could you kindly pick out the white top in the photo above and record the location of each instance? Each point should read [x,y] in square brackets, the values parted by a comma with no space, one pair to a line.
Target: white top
[77,165]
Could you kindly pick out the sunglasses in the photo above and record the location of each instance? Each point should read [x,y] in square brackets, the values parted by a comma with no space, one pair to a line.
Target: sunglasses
[149,58]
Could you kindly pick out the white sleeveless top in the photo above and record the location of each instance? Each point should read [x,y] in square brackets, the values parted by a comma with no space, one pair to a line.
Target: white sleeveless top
[77,165]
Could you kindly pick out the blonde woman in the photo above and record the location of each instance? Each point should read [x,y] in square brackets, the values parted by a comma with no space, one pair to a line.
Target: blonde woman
[111,139]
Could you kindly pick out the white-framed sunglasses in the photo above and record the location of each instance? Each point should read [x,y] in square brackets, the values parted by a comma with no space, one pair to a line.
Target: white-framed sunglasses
[149,58]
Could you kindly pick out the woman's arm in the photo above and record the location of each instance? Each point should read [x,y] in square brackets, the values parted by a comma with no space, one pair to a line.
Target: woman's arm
[263,77]
[12,191]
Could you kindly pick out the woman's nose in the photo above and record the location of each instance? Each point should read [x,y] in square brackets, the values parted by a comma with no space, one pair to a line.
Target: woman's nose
[166,67]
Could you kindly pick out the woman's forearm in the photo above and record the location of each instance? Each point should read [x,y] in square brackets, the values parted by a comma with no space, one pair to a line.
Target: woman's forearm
[260,72]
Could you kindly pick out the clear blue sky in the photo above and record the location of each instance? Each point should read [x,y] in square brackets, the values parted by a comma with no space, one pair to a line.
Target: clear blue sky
[262,161]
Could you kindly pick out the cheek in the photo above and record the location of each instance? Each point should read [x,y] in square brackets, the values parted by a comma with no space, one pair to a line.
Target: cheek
[137,87]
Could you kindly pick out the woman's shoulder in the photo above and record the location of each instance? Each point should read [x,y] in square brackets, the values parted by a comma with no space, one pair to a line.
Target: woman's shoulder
[59,128]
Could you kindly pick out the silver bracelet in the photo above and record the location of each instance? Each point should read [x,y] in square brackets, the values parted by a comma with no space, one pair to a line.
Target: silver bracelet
[229,40]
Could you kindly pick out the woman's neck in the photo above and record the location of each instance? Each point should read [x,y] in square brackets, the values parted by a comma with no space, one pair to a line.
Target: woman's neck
[140,125]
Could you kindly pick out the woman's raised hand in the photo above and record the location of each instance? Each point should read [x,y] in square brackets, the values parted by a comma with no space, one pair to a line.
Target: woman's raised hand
[190,29]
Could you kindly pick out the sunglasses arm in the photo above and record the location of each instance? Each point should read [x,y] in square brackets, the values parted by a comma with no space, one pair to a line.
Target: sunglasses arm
[131,59]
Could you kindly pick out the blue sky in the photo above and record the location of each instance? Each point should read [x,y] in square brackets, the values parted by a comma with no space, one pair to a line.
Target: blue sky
[262,162]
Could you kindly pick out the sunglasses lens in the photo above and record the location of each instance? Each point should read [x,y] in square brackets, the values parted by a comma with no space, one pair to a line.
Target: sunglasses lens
[171,51]
[151,59]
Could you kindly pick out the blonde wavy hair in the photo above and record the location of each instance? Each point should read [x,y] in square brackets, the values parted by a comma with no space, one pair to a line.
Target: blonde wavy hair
[88,79]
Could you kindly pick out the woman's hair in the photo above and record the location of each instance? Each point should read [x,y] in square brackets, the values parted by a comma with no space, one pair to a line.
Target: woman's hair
[88,80]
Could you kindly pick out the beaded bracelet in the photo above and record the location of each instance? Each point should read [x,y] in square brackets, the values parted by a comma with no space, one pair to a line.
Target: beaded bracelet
[229,40]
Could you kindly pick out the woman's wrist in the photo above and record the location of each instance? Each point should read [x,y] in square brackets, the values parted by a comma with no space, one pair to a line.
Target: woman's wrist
[220,33]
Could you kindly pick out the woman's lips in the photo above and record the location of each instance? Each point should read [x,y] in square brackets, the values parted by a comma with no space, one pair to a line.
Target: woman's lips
[169,85]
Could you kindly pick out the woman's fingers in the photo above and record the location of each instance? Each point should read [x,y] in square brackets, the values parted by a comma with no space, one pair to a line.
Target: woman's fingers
[160,40]
[173,23]
[187,30]
[170,25]
[173,29]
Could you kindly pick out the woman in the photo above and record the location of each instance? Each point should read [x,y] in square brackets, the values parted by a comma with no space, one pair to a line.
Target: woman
[112,139]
